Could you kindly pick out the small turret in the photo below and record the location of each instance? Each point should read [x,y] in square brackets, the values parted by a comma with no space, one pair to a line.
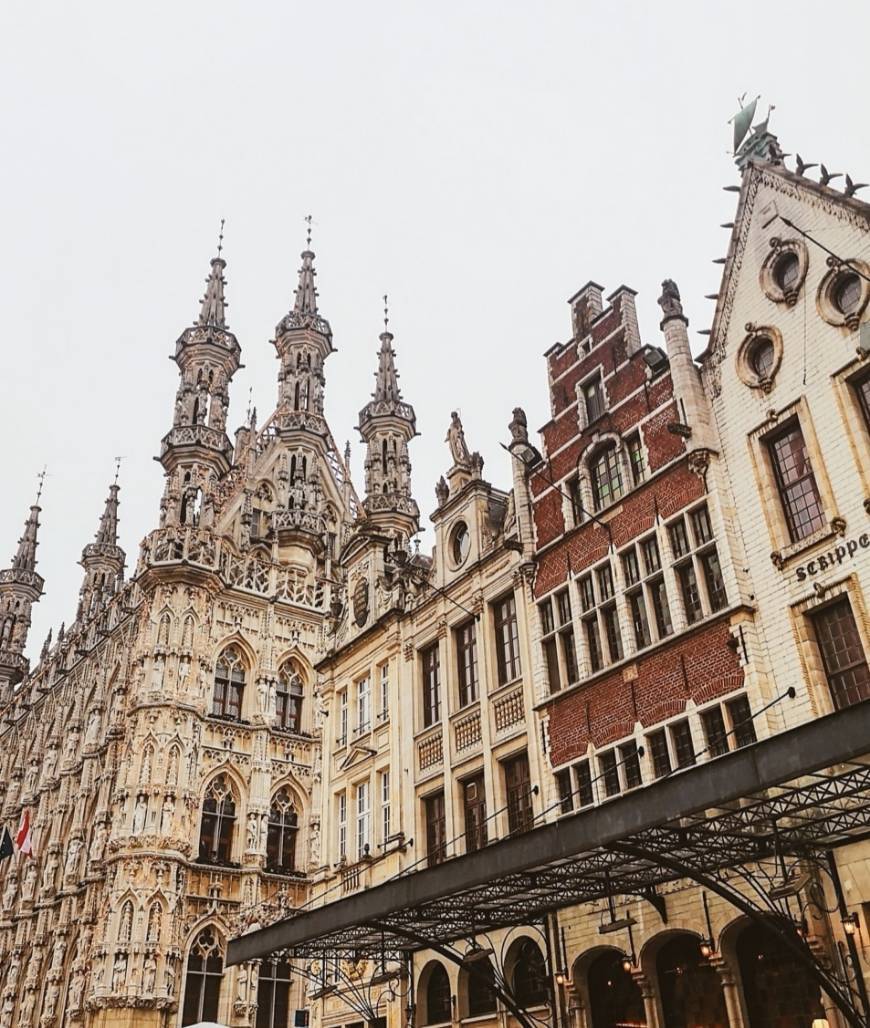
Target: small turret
[196,452]
[303,340]
[103,561]
[20,588]
[387,424]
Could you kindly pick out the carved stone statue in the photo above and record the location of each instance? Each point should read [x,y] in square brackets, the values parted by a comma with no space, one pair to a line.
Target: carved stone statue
[119,973]
[28,1003]
[252,831]
[669,301]
[57,954]
[92,732]
[72,857]
[456,441]
[76,989]
[98,842]
[11,983]
[166,815]
[50,763]
[169,977]
[28,886]
[519,427]
[52,862]
[10,890]
[49,1004]
[140,813]
[149,975]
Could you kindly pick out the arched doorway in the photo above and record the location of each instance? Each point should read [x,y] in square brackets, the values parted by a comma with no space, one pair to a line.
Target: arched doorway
[615,1000]
[689,987]
[776,989]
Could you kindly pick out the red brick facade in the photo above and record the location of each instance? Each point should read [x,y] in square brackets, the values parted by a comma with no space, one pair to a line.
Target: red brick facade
[695,663]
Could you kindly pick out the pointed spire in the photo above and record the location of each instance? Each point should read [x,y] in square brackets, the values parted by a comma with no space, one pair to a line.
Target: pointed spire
[25,558]
[107,533]
[386,377]
[213,309]
[306,292]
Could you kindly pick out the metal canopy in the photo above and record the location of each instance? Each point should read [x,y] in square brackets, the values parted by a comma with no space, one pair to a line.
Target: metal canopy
[796,794]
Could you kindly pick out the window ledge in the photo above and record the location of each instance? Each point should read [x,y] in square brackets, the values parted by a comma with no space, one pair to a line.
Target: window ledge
[638,655]
[835,527]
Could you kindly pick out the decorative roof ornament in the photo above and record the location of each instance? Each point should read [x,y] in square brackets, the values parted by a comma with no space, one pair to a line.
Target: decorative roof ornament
[754,143]
[25,557]
[212,310]
[386,377]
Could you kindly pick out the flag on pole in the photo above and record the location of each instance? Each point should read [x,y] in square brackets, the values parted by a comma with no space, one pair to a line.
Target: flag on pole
[5,843]
[23,840]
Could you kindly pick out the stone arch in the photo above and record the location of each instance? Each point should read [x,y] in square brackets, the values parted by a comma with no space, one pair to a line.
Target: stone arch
[435,997]
[525,970]
[475,998]
[687,985]
[189,623]
[165,628]
[609,994]
[154,924]
[174,759]
[221,816]
[125,920]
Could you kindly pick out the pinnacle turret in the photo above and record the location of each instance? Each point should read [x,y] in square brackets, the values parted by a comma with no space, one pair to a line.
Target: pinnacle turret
[102,560]
[387,424]
[306,293]
[20,588]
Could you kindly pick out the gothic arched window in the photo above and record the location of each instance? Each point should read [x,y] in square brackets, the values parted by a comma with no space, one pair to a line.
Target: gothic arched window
[187,633]
[273,994]
[438,1005]
[229,685]
[202,986]
[218,823]
[163,629]
[606,476]
[288,699]
[530,975]
[281,835]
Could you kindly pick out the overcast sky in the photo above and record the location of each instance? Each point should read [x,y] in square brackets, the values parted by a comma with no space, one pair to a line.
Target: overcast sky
[477,161]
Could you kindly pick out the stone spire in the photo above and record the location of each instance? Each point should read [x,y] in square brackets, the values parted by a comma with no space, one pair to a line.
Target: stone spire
[20,588]
[386,377]
[387,424]
[102,560]
[213,308]
[303,340]
[196,452]
[306,292]
[25,558]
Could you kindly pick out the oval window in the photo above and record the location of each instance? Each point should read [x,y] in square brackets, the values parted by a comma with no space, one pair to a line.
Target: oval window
[460,543]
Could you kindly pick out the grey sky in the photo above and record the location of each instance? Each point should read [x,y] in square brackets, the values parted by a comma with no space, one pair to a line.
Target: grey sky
[477,161]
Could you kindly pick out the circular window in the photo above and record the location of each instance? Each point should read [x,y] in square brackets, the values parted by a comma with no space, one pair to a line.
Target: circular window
[847,292]
[786,271]
[460,543]
[762,357]
[844,293]
[759,357]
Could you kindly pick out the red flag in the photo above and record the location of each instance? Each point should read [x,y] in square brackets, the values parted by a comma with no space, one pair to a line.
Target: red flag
[23,840]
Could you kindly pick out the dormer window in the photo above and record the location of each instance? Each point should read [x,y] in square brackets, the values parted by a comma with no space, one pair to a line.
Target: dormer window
[593,397]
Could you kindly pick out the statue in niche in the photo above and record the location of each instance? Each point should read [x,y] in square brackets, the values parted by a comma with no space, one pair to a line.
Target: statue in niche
[6,1011]
[10,889]
[252,831]
[50,763]
[140,813]
[11,984]
[72,857]
[76,989]
[57,954]
[149,975]
[167,815]
[456,441]
[52,863]
[92,732]
[98,842]
[28,887]
[119,973]
[25,1014]
[49,1004]
[125,930]
[30,779]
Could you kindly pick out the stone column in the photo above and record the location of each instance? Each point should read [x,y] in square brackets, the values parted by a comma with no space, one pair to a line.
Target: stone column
[648,994]
[729,990]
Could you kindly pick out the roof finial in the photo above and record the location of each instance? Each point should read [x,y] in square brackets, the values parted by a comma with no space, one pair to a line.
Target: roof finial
[308,233]
[117,469]
[221,237]
[250,399]
[386,314]
[41,477]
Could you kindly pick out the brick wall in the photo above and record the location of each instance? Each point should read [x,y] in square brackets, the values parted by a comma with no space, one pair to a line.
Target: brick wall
[697,665]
